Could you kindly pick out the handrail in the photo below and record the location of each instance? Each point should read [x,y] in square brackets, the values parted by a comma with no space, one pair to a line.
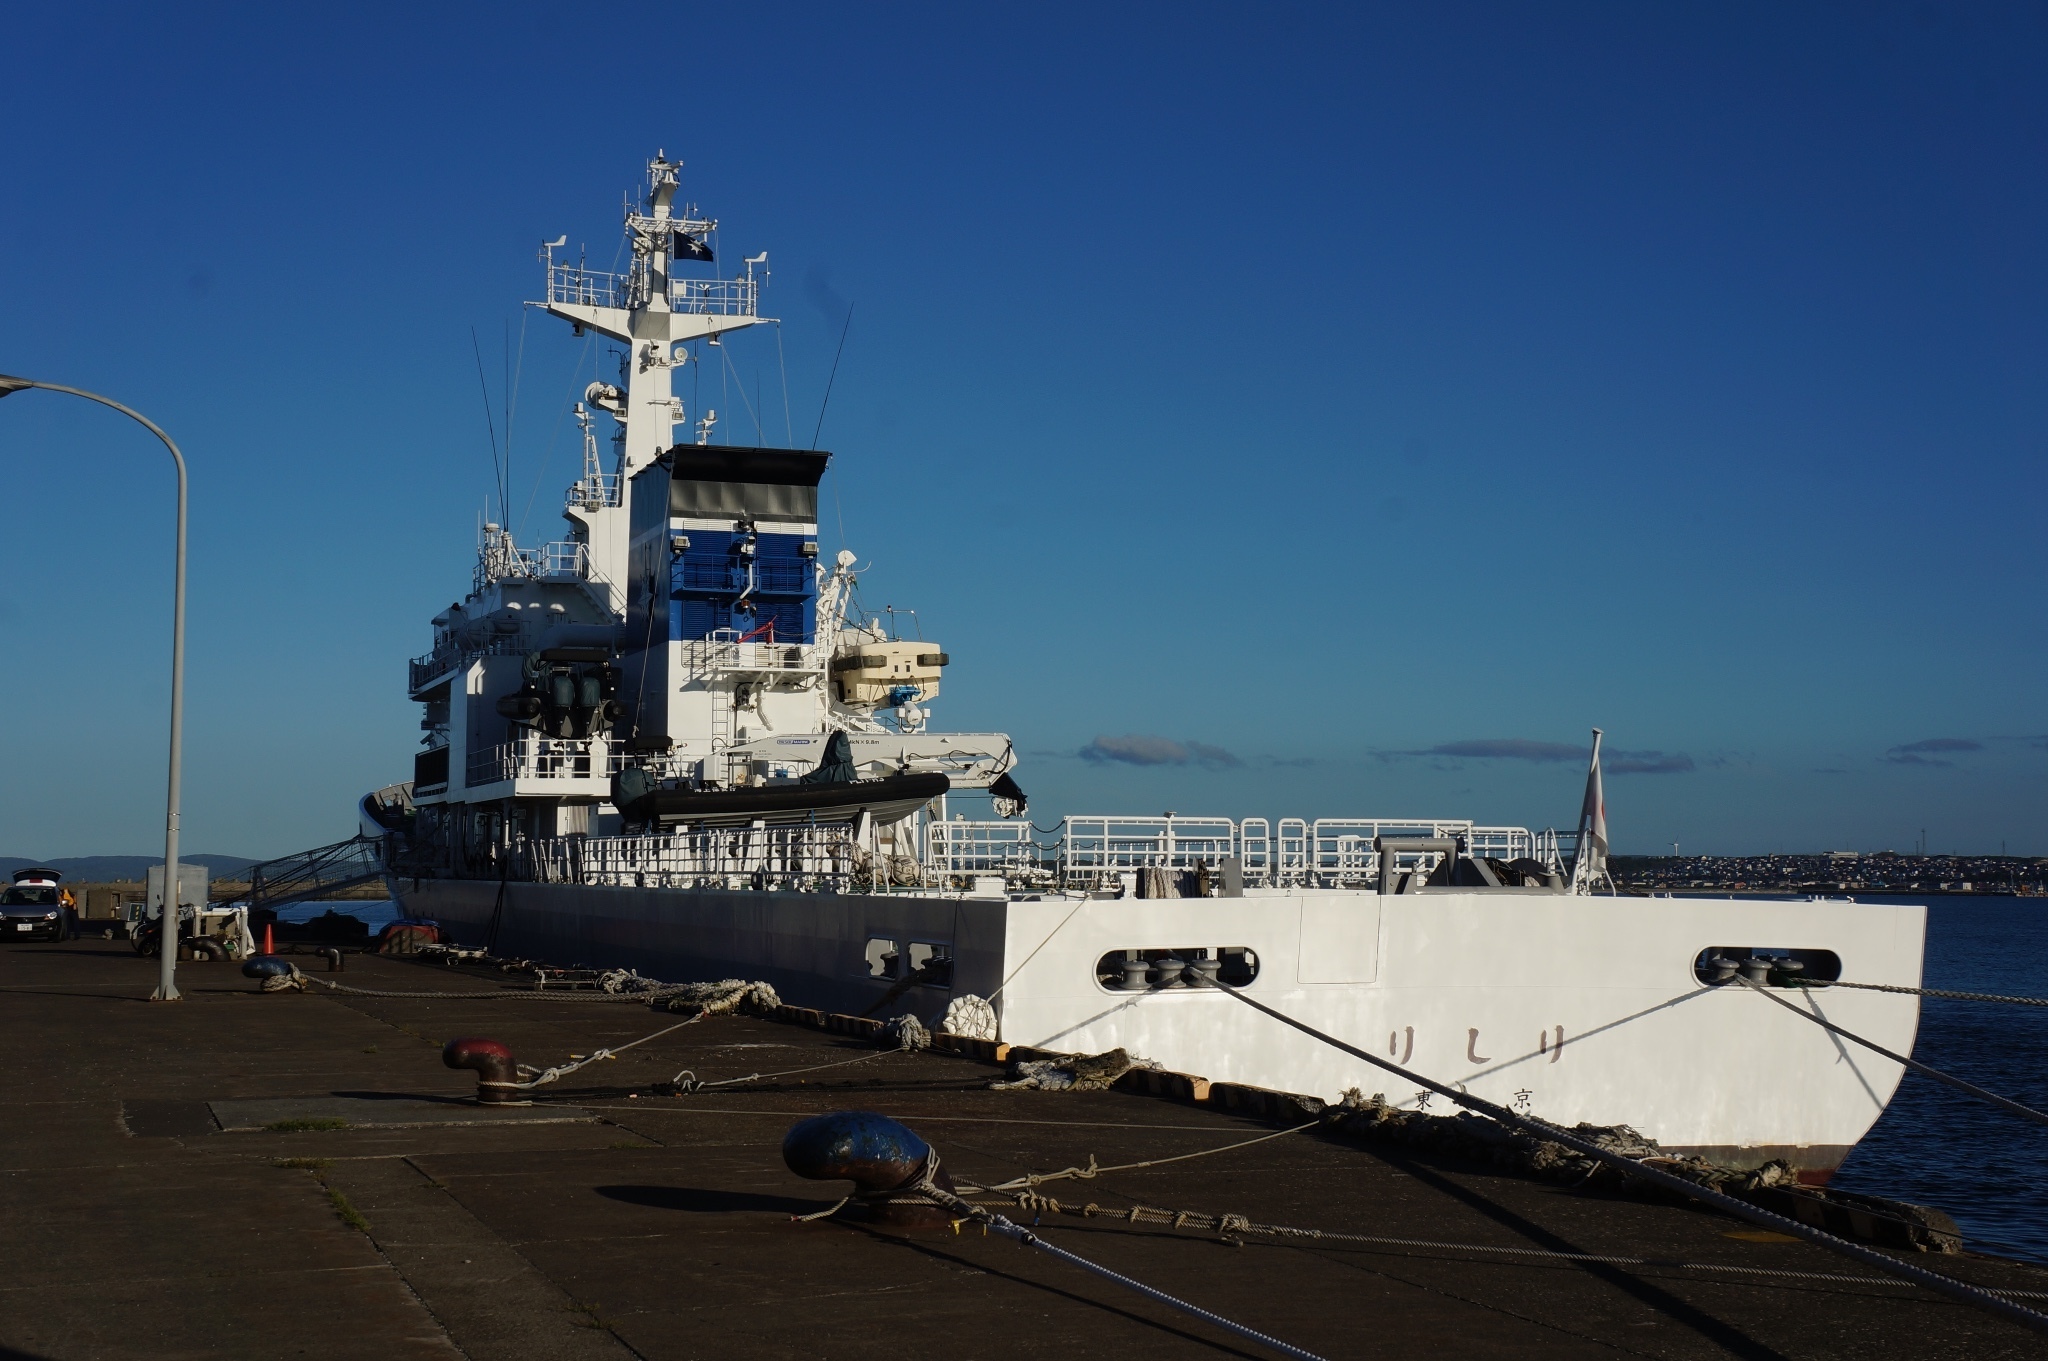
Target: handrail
[1329,853]
[308,874]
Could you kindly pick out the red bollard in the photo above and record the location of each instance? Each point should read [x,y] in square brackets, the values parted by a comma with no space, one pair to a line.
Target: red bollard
[497,1075]
[269,946]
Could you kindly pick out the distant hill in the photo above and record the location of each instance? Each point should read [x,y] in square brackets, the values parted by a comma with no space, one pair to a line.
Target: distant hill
[99,869]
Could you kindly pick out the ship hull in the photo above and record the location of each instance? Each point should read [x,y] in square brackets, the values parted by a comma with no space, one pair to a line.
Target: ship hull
[1575,1009]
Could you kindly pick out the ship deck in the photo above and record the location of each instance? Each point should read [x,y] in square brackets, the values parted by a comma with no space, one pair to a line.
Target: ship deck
[248,1174]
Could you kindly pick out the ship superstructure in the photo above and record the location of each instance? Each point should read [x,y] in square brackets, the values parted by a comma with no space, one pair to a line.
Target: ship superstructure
[673,741]
[685,635]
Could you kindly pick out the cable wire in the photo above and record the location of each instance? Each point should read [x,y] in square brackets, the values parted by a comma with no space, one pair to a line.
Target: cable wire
[2024,1112]
[1944,992]
[926,1184]
[1542,1129]
[1025,1183]
[1228,1224]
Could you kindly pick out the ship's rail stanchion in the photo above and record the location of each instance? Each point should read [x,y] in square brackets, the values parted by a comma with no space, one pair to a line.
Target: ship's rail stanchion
[1542,1129]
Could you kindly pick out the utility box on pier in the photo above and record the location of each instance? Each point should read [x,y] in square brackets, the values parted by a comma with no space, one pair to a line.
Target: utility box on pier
[192,881]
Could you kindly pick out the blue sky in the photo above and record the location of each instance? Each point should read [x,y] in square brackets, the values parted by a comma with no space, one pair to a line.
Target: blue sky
[1288,411]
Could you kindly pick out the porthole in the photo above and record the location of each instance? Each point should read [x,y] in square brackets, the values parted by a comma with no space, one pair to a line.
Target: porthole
[1141,969]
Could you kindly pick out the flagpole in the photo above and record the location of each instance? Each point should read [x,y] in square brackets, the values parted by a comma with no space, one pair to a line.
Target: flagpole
[1589,860]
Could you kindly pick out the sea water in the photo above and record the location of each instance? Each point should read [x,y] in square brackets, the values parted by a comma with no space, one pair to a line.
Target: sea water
[1933,1145]
[1937,1146]
[372,913]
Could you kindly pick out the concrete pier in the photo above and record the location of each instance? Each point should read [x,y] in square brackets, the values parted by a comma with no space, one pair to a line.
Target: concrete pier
[297,1175]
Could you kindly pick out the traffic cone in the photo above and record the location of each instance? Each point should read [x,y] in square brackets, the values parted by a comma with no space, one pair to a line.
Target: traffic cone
[269,946]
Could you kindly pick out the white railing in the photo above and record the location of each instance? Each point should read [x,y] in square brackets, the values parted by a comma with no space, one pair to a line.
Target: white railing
[579,287]
[558,758]
[802,857]
[1500,843]
[963,847]
[1329,853]
[1556,849]
[563,557]
[1291,864]
[540,758]
[452,654]
[588,287]
[714,297]
[593,491]
[1255,850]
[727,655]
[1341,851]
[824,857]
[1093,848]
[504,559]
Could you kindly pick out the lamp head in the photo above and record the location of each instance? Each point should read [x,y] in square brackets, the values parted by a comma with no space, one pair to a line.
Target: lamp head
[9,384]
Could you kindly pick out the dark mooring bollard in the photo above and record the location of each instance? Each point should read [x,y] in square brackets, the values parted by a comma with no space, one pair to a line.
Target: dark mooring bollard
[496,1074]
[265,968]
[879,1156]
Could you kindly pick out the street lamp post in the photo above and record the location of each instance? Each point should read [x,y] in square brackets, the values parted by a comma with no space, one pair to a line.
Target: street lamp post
[166,987]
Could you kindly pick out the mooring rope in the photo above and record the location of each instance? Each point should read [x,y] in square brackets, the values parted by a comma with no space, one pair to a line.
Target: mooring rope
[505,995]
[2024,1112]
[1543,1129]
[1025,1183]
[1941,992]
[716,997]
[545,1076]
[683,1087]
[926,1185]
[1227,1224]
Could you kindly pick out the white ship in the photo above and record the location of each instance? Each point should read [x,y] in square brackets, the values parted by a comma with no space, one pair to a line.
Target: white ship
[673,741]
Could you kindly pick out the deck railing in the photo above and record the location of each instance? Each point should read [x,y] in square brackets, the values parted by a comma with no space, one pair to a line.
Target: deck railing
[1093,852]
[727,655]
[577,286]
[805,858]
[558,758]
[963,847]
[714,297]
[536,758]
[593,491]
[444,659]
[560,558]
[1094,849]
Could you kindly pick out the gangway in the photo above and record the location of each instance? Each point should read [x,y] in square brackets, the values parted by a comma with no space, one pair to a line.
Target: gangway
[316,873]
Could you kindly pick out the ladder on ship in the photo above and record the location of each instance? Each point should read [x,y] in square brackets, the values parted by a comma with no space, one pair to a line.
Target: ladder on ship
[723,718]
